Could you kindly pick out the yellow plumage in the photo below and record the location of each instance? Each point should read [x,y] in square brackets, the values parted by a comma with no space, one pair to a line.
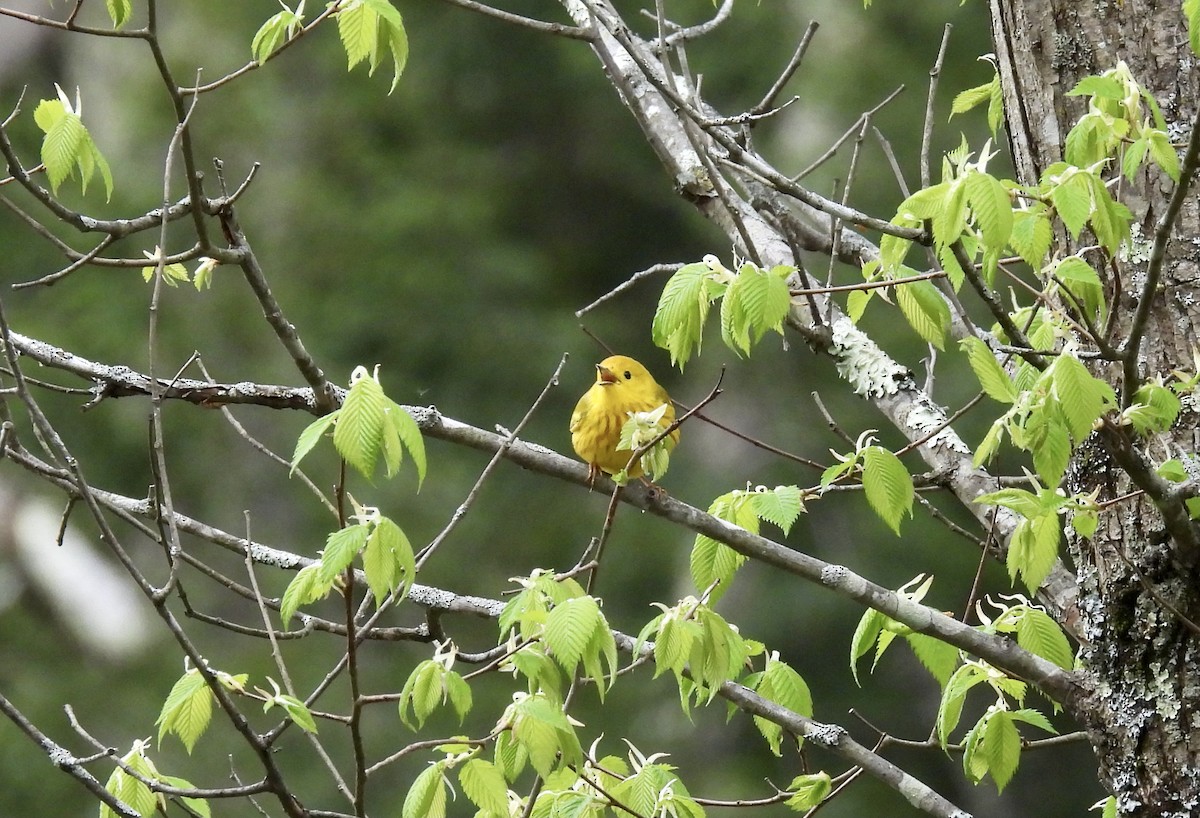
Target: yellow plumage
[622,386]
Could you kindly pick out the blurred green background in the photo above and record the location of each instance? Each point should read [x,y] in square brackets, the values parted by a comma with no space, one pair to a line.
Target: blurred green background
[449,232]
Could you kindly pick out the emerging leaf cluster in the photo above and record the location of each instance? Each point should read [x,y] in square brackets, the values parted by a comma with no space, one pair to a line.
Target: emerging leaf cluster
[753,301]
[713,563]
[67,146]
[387,559]
[433,683]
[368,425]
[369,29]
[877,630]
[126,785]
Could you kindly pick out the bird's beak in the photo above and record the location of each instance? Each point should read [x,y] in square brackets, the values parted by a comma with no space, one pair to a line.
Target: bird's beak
[604,376]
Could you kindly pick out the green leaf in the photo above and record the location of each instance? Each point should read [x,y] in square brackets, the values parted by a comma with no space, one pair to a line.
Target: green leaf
[936,656]
[926,311]
[992,377]
[682,309]
[187,710]
[1083,397]
[129,789]
[865,635]
[713,562]
[968,99]
[401,432]
[1135,154]
[427,796]
[780,684]
[388,560]
[1163,153]
[1191,10]
[542,727]
[809,791]
[273,33]
[63,141]
[341,547]
[1172,470]
[196,805]
[1031,234]
[423,691]
[310,436]
[888,486]
[755,302]
[358,435]
[1072,200]
[356,27]
[1098,86]
[1033,549]
[1084,521]
[779,506]
[954,694]
[1083,283]
[297,711]
[991,207]
[485,786]
[307,586]
[1001,748]
[119,12]
[1050,444]
[569,627]
[1041,635]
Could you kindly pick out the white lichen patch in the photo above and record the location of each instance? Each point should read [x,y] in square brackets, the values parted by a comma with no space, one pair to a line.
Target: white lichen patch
[861,362]
[924,418]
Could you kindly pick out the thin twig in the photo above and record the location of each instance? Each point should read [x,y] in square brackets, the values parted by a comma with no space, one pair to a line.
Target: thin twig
[927,130]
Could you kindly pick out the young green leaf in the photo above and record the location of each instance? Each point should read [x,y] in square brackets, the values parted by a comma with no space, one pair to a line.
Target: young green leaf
[992,208]
[780,506]
[992,377]
[307,586]
[926,311]
[780,684]
[310,436]
[128,788]
[388,560]
[865,635]
[485,786]
[682,309]
[1033,549]
[954,694]
[888,486]
[808,790]
[1191,10]
[426,797]
[936,656]
[196,805]
[341,547]
[1083,283]
[1083,397]
[400,433]
[1041,635]
[568,630]
[1001,748]
[358,435]
[187,710]
[1031,234]
[119,12]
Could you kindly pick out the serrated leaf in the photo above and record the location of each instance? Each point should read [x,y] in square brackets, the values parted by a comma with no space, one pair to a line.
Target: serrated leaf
[61,145]
[1001,748]
[865,635]
[401,428]
[358,435]
[781,684]
[1035,718]
[187,710]
[1072,201]
[856,304]
[953,696]
[1083,283]
[992,377]
[888,486]
[926,311]
[1082,397]
[1041,635]
[936,656]
[809,791]
[304,588]
[485,786]
[426,797]
[1163,153]
[713,562]
[356,28]
[1050,445]
[968,99]
[341,547]
[991,207]
[298,712]
[1106,87]
[1033,549]
[388,560]
[1173,469]
[1135,154]
[1191,10]
[682,309]
[568,630]
[1031,235]
[780,506]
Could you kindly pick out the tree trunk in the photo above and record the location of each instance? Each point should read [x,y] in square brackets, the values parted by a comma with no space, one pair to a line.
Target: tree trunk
[1139,593]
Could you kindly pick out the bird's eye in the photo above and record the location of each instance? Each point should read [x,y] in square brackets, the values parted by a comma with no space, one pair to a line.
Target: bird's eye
[628,375]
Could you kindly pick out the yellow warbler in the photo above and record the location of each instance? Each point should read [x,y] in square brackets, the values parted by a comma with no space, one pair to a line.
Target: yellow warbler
[622,387]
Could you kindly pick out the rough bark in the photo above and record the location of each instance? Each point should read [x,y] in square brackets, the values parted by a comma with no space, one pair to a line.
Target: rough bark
[1143,657]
